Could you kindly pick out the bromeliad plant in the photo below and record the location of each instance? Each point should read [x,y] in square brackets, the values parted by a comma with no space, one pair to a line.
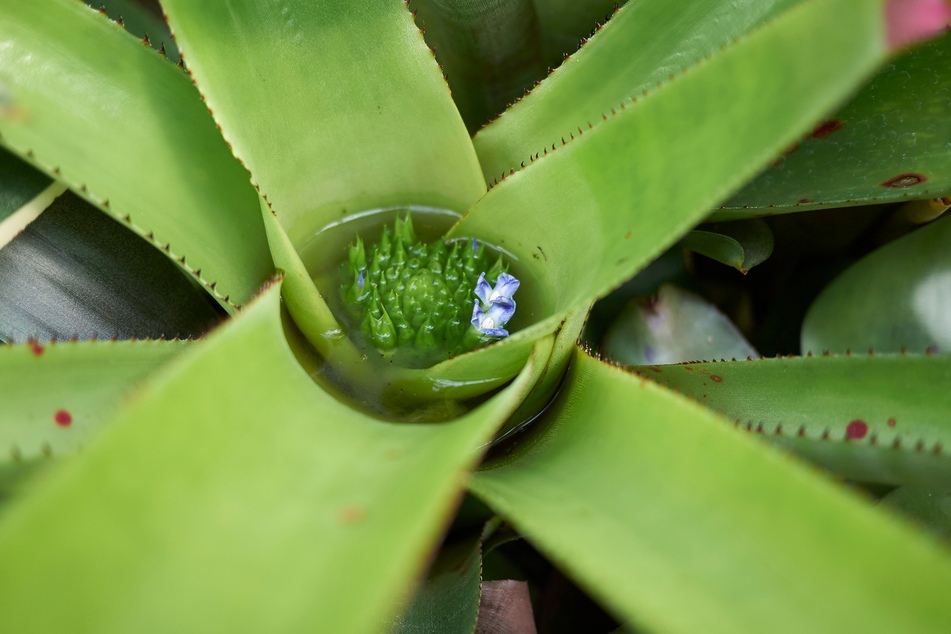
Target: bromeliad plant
[250,483]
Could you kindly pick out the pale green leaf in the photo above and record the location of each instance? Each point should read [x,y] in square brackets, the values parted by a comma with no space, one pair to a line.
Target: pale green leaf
[681,524]
[671,327]
[591,214]
[334,107]
[56,395]
[897,297]
[878,418]
[645,44]
[239,492]
[125,129]
[889,144]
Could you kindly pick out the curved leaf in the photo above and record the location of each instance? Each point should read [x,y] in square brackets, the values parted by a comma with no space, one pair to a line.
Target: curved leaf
[889,144]
[141,22]
[687,512]
[334,107]
[57,395]
[126,130]
[644,45]
[897,297]
[671,327]
[258,502]
[74,272]
[741,245]
[591,214]
[878,418]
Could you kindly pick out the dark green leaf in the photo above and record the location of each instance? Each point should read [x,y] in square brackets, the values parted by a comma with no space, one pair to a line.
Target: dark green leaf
[140,21]
[741,245]
[448,600]
[897,297]
[491,51]
[877,418]
[888,144]
[74,272]
[19,184]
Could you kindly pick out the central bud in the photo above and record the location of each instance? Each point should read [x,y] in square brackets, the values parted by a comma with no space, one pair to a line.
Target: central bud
[423,301]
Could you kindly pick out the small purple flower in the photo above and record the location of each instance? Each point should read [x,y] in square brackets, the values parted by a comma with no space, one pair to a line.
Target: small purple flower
[505,288]
[490,322]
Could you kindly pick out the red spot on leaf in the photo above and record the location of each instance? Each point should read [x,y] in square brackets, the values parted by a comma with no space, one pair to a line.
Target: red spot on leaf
[688,368]
[905,180]
[856,429]
[627,235]
[825,129]
[63,418]
[891,422]
[37,349]
[655,369]
[352,514]
[803,201]
[716,378]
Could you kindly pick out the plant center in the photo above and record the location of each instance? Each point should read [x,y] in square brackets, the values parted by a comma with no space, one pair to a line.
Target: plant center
[418,302]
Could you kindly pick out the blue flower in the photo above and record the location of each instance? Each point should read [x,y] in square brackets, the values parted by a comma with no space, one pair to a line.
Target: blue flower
[490,322]
[505,288]
[495,306]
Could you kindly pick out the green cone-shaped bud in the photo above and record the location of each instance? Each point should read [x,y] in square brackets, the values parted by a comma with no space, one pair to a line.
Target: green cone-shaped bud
[416,298]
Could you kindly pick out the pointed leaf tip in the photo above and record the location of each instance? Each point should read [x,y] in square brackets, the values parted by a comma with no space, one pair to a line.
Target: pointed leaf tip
[911,21]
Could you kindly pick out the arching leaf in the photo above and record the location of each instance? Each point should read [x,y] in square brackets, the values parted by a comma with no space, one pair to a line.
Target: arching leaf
[654,504]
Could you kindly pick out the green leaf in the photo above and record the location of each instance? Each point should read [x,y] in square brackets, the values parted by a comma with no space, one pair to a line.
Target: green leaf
[877,418]
[671,327]
[126,130]
[927,507]
[57,395]
[654,504]
[141,22]
[588,216]
[19,184]
[565,22]
[258,502]
[889,144]
[897,297]
[334,107]
[448,600]
[73,272]
[490,51]
[741,245]
[645,45]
